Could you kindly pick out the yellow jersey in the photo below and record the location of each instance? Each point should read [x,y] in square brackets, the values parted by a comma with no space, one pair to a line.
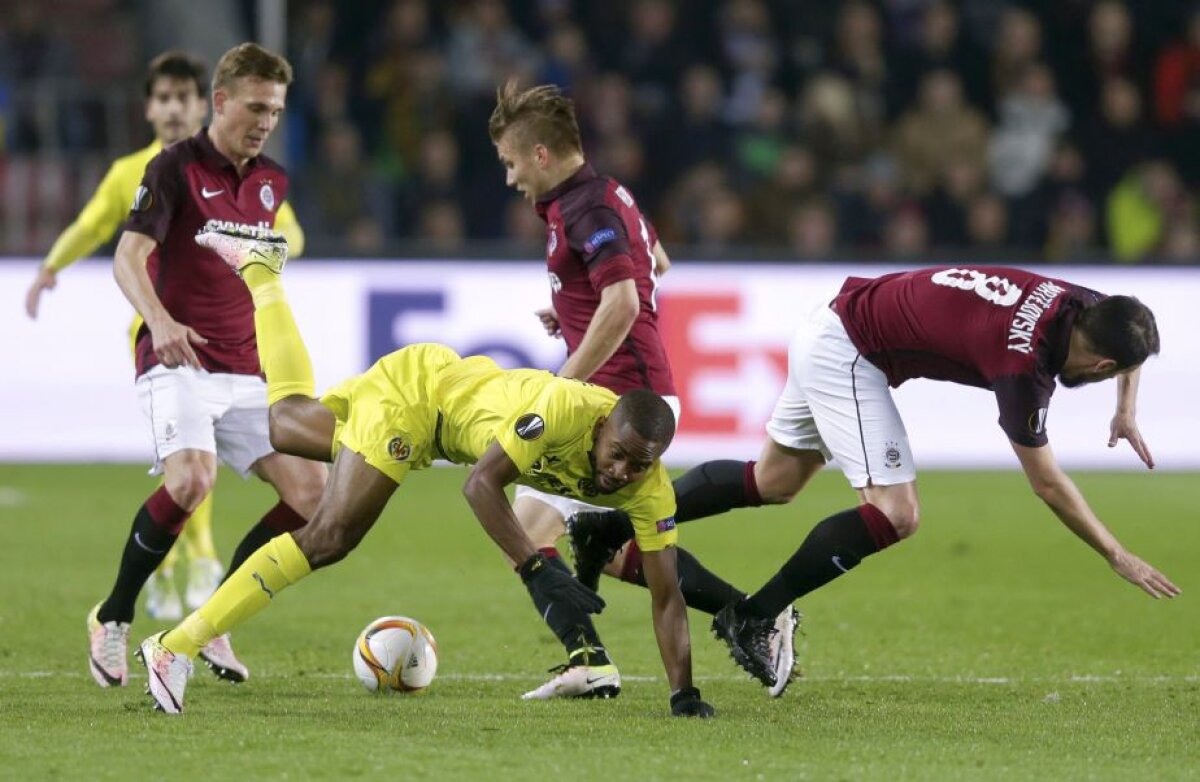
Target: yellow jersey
[423,402]
[104,214]
[546,425]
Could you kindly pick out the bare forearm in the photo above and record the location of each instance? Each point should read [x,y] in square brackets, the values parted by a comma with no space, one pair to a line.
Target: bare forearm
[491,507]
[129,269]
[670,616]
[1127,388]
[1064,498]
[605,334]
[674,642]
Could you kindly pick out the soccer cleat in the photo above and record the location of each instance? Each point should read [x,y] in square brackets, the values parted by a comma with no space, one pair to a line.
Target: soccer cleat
[162,600]
[245,248]
[204,576]
[749,641]
[218,656]
[109,643]
[783,650]
[596,537]
[579,681]
[167,672]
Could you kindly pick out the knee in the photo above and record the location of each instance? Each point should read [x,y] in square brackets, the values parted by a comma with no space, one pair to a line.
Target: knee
[189,487]
[324,545]
[905,517]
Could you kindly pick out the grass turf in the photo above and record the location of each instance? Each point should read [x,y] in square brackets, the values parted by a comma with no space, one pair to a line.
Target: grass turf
[993,645]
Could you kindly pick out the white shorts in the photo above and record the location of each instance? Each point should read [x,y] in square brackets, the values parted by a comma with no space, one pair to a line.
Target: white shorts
[566,506]
[214,412]
[838,403]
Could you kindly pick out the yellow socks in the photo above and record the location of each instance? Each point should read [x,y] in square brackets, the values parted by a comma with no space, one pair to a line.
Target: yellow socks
[275,566]
[197,533]
[281,350]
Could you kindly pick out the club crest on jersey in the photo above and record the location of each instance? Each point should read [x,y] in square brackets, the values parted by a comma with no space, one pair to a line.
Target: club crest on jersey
[267,196]
[142,199]
[665,525]
[891,455]
[599,239]
[530,426]
[399,449]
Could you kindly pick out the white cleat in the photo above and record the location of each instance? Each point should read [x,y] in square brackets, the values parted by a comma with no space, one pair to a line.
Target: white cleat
[218,656]
[204,576]
[109,644]
[579,681]
[245,248]
[162,599]
[783,650]
[167,672]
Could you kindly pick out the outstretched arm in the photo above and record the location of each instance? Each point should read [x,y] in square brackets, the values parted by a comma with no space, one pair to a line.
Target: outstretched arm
[484,491]
[1055,488]
[1124,422]
[670,616]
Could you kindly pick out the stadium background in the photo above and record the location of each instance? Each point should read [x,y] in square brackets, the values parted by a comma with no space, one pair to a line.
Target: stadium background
[897,130]
[778,146]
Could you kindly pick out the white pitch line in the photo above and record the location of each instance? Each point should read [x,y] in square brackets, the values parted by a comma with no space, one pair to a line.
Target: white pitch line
[884,679]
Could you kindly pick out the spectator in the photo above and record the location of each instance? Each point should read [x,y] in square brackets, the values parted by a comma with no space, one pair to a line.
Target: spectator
[812,230]
[987,224]
[1018,46]
[1071,229]
[941,128]
[1177,99]
[485,48]
[1031,120]
[1118,140]
[1140,209]
[963,180]
[771,203]
[940,46]
[441,227]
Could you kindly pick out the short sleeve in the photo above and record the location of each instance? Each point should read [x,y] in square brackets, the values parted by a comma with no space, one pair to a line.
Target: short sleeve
[540,425]
[157,199]
[1024,401]
[601,241]
[651,509]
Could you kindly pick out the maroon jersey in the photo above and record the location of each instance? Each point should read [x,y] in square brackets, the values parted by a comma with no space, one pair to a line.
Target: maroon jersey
[188,186]
[596,236]
[1003,329]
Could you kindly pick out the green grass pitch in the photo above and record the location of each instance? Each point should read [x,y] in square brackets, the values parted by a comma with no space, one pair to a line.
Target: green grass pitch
[993,645]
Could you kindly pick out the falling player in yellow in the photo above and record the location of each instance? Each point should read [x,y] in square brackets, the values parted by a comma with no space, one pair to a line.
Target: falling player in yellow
[418,404]
[176,104]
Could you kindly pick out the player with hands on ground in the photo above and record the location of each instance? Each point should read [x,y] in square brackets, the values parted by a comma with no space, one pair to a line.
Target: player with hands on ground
[1007,330]
[603,260]
[421,403]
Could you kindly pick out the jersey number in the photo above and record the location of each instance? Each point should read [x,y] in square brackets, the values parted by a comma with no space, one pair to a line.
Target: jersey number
[997,290]
[653,274]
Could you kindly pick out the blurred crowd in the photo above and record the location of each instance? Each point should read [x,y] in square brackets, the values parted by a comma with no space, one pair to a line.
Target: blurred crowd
[1066,130]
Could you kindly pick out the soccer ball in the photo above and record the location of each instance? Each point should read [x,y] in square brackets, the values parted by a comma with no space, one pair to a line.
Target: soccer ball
[395,653]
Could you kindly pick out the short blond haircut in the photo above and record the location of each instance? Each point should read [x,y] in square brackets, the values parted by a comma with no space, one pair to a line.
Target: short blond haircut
[253,61]
[538,115]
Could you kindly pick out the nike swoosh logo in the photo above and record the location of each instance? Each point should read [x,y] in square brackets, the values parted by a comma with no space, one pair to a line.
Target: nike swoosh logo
[205,192]
[597,679]
[263,584]
[137,538]
[837,563]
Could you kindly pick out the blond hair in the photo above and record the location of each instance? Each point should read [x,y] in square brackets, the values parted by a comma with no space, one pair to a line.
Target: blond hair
[538,115]
[253,61]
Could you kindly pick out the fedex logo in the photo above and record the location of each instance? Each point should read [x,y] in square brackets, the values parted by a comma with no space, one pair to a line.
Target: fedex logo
[729,360]
[391,317]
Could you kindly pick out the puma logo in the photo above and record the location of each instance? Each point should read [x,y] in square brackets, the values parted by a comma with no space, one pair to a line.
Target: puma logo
[263,584]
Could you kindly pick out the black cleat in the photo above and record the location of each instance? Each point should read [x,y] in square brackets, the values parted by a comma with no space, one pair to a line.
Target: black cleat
[596,537]
[749,641]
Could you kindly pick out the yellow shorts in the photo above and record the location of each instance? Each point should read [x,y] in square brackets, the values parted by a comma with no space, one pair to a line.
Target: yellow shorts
[388,414]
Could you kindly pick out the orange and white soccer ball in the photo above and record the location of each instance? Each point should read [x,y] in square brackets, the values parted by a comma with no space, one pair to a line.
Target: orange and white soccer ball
[395,653]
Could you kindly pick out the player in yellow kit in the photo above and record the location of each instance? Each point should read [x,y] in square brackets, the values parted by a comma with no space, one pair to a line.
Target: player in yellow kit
[425,402]
[176,104]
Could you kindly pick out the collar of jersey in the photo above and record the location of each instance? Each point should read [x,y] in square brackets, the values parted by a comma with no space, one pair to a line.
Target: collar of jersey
[215,158]
[584,173]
